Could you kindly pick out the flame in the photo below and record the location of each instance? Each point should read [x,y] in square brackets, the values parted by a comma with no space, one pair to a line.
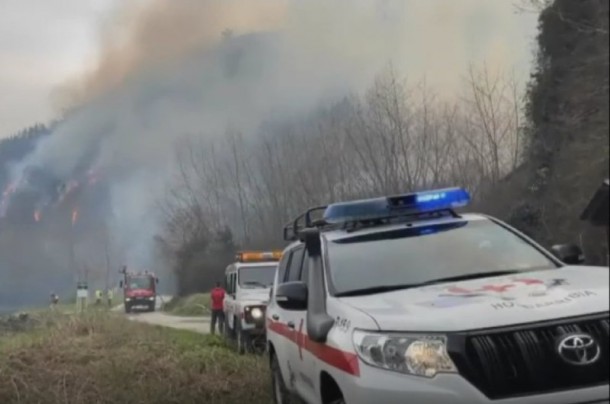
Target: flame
[74,216]
[37,215]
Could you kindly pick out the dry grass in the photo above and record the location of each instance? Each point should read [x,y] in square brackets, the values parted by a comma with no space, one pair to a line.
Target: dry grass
[102,358]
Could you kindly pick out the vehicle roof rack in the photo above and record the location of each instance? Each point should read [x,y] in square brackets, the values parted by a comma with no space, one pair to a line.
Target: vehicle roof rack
[292,229]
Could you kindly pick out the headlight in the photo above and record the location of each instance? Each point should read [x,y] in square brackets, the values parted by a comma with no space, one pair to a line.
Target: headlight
[151,298]
[127,299]
[418,355]
[256,313]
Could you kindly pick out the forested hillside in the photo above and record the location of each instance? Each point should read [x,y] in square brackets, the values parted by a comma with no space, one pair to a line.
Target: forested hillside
[567,153]
[15,147]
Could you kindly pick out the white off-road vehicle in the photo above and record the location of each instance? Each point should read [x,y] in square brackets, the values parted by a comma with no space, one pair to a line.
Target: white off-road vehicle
[404,300]
[248,284]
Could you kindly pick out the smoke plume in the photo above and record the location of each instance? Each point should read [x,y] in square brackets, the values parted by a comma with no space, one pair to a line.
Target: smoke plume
[169,69]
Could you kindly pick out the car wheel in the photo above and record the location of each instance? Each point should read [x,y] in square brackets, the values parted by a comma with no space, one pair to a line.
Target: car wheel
[127,309]
[281,395]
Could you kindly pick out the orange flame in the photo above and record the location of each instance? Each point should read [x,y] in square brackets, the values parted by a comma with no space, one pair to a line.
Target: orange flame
[37,215]
[74,216]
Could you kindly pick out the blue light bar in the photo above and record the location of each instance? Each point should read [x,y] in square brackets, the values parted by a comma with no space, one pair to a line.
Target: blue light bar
[394,206]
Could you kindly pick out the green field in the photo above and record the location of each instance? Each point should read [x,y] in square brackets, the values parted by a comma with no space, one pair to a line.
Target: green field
[103,358]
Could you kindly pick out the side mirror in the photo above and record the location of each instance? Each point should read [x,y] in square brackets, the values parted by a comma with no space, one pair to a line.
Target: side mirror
[570,254]
[292,296]
[311,238]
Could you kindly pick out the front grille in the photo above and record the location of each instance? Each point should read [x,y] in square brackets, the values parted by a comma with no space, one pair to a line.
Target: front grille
[524,361]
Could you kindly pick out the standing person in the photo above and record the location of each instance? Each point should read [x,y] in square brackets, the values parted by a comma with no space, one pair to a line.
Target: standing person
[110,296]
[217,296]
[98,297]
[54,300]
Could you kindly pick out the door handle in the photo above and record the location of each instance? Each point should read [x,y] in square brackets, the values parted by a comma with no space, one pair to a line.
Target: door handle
[290,325]
[275,317]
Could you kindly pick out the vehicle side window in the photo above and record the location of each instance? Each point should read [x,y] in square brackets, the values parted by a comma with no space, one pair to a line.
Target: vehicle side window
[305,269]
[294,267]
[281,276]
[232,283]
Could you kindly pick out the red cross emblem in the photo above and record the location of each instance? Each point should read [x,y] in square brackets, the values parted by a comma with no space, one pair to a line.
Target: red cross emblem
[497,288]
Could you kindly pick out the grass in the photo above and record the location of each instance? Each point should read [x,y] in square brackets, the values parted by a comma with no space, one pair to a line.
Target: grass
[193,305]
[103,358]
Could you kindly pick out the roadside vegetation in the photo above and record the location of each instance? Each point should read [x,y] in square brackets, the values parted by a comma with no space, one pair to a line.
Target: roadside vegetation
[197,304]
[103,358]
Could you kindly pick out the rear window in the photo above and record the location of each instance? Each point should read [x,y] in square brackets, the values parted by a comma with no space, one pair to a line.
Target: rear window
[417,255]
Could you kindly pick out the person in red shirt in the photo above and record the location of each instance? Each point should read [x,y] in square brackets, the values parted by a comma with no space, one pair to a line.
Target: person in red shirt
[217,295]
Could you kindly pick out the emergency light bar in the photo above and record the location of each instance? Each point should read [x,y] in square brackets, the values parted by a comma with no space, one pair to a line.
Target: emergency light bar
[394,206]
[254,256]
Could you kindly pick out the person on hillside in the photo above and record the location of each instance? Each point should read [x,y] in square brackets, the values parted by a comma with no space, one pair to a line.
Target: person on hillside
[98,297]
[217,296]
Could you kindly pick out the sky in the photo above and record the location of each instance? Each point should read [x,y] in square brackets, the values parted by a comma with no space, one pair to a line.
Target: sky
[42,44]
[46,43]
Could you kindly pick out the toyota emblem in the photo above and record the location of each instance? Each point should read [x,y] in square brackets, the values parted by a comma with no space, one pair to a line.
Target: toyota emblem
[579,349]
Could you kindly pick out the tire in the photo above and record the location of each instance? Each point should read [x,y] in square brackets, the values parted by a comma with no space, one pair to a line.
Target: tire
[258,345]
[127,309]
[281,395]
[152,307]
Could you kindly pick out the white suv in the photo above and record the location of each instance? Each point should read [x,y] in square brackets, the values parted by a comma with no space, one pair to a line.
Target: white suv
[402,300]
[248,284]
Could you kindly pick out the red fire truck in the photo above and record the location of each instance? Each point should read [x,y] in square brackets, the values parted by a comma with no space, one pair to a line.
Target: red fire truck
[139,290]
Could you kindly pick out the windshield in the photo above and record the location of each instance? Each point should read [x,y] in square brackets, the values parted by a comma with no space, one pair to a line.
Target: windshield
[140,283]
[257,277]
[418,255]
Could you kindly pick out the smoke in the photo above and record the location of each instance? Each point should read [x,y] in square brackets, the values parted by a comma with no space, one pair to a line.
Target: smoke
[172,68]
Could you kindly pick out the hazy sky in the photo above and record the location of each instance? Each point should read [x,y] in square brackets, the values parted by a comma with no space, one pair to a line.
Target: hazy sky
[43,43]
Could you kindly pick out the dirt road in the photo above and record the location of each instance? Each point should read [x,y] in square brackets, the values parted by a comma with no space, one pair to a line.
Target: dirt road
[196,324]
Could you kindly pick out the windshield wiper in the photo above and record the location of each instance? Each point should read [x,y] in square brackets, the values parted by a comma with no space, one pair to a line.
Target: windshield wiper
[468,277]
[373,290]
[391,288]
